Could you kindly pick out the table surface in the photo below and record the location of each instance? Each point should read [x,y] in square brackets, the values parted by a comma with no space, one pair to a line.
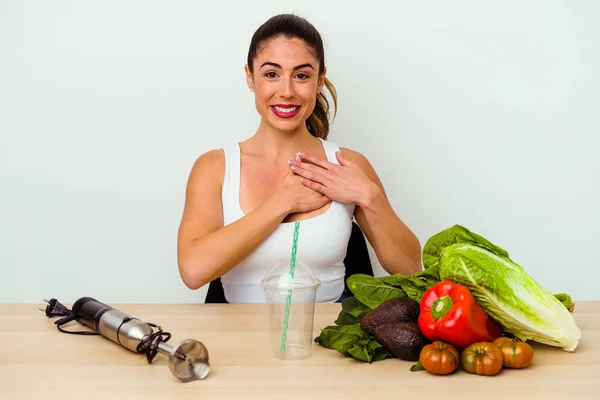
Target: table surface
[39,362]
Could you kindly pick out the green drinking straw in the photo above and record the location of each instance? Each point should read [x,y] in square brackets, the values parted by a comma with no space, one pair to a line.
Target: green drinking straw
[288,300]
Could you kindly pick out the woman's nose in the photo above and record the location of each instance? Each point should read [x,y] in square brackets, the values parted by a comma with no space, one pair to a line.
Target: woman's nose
[286,89]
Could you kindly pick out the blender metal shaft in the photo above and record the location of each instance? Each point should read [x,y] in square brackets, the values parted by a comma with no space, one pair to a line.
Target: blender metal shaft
[188,361]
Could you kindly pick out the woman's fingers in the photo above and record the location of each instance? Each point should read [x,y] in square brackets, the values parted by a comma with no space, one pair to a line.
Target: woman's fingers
[341,159]
[317,187]
[309,171]
[313,160]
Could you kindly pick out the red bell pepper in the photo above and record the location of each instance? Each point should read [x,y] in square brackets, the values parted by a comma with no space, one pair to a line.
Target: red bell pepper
[448,312]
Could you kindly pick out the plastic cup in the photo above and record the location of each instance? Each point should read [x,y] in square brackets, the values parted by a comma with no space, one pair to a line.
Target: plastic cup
[296,343]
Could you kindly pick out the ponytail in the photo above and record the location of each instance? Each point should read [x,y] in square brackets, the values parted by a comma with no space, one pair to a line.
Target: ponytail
[318,122]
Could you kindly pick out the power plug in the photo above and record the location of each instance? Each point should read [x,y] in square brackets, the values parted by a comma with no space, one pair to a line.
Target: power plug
[55,309]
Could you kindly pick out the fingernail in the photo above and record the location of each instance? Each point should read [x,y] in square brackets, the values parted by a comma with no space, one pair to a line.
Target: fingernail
[294,168]
[290,162]
[299,154]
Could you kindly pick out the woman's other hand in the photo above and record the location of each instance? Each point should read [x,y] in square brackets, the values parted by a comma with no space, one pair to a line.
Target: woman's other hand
[345,183]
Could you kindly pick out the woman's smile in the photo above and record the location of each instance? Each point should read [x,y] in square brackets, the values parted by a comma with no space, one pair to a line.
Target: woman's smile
[285,110]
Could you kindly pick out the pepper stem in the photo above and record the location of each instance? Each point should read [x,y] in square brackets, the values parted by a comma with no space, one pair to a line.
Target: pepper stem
[441,306]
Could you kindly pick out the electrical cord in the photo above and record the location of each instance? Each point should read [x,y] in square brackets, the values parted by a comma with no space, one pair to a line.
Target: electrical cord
[68,319]
[149,345]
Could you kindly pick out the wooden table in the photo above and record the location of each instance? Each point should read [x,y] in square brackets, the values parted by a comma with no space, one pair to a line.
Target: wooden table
[39,362]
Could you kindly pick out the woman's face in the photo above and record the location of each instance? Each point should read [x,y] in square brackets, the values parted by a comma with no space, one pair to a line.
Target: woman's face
[285,82]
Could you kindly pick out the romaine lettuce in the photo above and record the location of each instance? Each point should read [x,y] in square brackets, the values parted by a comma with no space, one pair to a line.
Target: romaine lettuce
[509,295]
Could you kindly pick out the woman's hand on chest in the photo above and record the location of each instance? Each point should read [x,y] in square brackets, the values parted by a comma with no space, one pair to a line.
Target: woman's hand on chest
[345,183]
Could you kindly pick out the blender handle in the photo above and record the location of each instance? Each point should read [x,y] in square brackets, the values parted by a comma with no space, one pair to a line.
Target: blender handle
[88,311]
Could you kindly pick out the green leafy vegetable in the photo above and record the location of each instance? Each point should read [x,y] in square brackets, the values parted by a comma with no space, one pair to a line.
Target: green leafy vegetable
[510,296]
[369,350]
[352,311]
[456,234]
[388,280]
[416,284]
[499,285]
[348,338]
[566,301]
[340,338]
[351,340]
[372,291]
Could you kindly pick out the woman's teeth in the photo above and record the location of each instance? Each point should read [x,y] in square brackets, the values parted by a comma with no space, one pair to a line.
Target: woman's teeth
[285,110]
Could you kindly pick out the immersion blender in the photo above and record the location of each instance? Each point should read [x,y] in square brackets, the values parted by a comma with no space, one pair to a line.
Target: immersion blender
[188,361]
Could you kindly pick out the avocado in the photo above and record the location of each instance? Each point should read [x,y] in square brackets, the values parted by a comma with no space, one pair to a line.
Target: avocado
[402,339]
[398,309]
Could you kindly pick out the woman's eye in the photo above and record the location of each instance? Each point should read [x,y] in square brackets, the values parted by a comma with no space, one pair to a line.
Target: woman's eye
[271,75]
[302,76]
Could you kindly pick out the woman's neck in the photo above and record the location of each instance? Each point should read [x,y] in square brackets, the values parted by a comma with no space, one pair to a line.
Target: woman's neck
[275,145]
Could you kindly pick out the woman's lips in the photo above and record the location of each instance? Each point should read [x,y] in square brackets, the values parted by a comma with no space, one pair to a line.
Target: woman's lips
[285,110]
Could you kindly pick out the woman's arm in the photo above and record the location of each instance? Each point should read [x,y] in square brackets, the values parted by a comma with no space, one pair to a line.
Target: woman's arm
[398,249]
[355,181]
[205,248]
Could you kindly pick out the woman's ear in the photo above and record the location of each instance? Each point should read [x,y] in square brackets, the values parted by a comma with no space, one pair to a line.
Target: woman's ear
[321,81]
[249,78]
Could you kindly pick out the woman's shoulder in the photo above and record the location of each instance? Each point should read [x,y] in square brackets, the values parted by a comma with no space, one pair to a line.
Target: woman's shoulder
[217,156]
[210,158]
[352,155]
[209,164]
[355,157]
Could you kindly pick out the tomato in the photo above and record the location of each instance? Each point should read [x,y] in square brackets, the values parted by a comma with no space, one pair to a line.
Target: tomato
[516,353]
[482,358]
[439,358]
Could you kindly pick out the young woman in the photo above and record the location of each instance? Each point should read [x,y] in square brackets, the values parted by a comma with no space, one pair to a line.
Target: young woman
[242,200]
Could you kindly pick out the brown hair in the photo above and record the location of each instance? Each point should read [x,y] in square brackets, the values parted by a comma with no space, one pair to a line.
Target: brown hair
[292,26]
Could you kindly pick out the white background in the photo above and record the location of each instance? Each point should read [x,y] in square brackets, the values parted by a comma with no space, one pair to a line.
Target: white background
[481,114]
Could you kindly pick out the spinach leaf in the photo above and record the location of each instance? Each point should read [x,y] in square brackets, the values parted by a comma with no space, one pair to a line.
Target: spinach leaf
[414,287]
[369,350]
[381,354]
[388,280]
[348,338]
[352,341]
[346,319]
[352,306]
[340,338]
[352,311]
[416,284]
[372,291]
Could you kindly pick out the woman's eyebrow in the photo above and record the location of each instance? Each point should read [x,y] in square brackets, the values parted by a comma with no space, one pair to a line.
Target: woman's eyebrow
[307,65]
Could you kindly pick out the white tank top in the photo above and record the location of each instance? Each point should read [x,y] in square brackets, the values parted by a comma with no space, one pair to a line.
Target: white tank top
[322,241]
